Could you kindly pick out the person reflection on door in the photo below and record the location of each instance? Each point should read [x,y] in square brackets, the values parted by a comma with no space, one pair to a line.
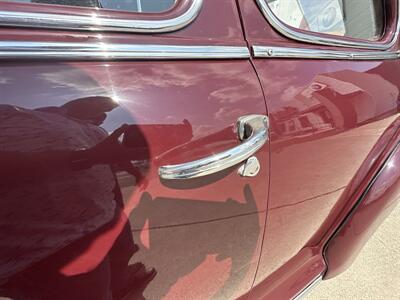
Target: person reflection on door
[58,195]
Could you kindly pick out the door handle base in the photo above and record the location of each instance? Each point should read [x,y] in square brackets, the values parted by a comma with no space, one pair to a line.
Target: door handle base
[250,168]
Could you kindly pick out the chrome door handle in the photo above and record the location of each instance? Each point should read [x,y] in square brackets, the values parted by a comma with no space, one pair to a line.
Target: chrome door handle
[253,134]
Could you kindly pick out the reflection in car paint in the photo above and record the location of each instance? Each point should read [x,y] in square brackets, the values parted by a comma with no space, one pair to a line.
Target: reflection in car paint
[63,170]
[193,231]
[137,247]
[59,197]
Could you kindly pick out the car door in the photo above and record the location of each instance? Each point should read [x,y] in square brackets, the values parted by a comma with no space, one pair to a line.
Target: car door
[134,153]
[329,71]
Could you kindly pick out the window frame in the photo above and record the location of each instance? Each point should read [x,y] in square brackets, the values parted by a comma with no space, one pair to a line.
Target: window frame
[387,41]
[47,16]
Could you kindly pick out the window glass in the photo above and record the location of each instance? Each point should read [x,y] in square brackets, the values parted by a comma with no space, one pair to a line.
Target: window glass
[127,5]
[361,19]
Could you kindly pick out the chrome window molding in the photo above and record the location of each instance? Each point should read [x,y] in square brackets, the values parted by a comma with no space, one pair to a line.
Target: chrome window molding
[303,53]
[93,23]
[322,40]
[102,51]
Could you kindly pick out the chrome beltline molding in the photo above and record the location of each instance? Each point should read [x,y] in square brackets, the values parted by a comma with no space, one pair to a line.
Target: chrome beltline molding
[314,39]
[101,51]
[93,23]
[302,53]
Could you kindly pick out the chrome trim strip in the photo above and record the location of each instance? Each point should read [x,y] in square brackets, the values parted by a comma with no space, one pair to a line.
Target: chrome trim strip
[102,51]
[314,39]
[226,159]
[298,53]
[308,288]
[93,23]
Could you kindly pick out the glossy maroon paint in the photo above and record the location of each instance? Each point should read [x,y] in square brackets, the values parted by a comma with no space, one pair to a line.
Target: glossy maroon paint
[83,235]
[375,204]
[86,217]
[326,117]
[292,278]
[360,182]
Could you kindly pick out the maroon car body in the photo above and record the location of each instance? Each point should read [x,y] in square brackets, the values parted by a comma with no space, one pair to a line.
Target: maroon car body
[96,103]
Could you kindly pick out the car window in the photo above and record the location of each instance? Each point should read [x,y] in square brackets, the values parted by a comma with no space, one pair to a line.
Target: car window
[363,19]
[127,5]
